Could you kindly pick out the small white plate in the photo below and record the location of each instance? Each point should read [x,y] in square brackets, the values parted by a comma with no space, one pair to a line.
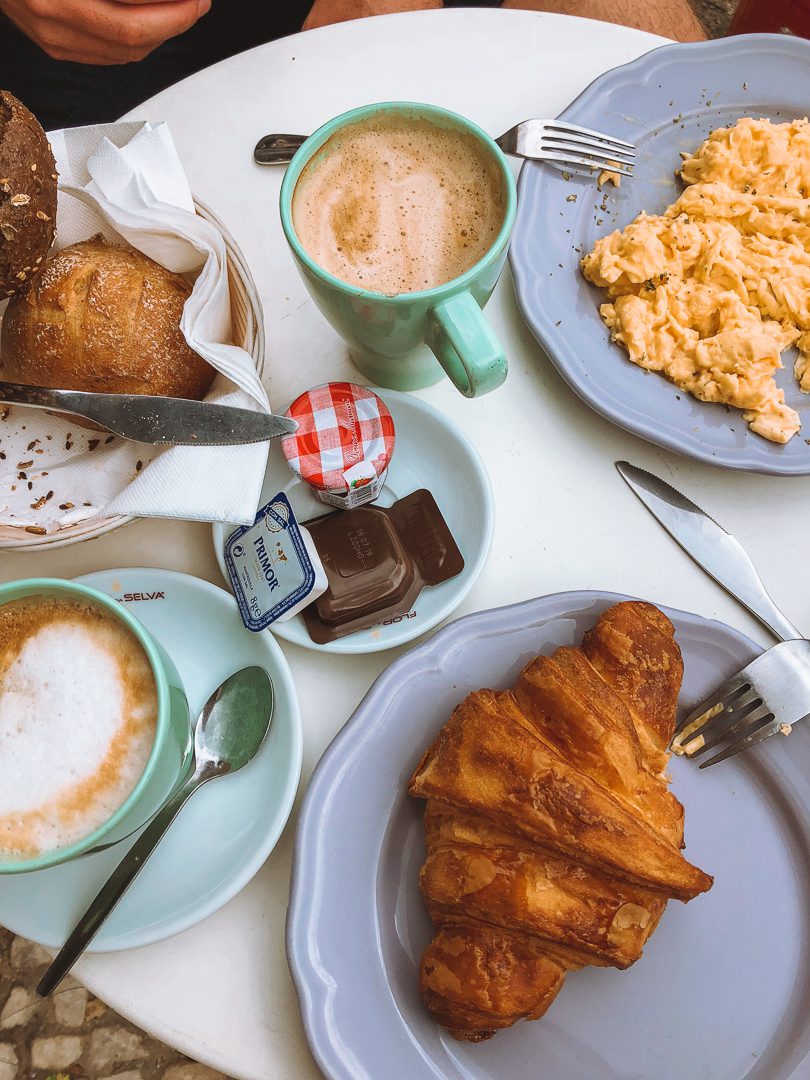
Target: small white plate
[432,453]
[226,831]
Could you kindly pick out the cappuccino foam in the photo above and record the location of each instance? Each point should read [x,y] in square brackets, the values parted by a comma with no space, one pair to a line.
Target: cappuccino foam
[397,205]
[78,714]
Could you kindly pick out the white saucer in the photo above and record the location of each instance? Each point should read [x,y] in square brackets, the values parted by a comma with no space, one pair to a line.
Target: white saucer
[228,828]
[432,453]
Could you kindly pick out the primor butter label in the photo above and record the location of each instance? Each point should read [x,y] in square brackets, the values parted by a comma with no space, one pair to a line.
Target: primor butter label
[269,566]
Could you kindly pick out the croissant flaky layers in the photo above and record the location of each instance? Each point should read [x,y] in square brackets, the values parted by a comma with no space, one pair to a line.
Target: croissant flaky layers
[553,841]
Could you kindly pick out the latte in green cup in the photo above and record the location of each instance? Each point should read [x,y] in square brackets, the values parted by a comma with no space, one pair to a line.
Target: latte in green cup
[398,215]
[93,723]
[396,204]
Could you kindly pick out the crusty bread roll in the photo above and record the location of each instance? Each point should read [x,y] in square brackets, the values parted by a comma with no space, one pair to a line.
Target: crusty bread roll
[102,318]
[27,195]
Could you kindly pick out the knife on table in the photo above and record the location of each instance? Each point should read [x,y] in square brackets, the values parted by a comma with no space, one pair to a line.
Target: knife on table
[161,421]
[713,549]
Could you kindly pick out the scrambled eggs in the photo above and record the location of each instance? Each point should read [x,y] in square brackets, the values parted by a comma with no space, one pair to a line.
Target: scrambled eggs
[710,292]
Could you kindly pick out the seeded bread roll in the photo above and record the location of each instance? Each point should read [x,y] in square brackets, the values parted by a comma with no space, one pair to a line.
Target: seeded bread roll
[27,195]
[103,318]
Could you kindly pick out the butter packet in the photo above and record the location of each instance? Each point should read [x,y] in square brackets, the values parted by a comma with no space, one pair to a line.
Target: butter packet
[274,568]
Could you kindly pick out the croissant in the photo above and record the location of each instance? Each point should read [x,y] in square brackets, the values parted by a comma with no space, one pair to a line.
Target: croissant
[552,838]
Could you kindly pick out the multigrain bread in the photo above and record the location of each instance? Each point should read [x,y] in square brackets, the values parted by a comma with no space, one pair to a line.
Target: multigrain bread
[102,318]
[27,195]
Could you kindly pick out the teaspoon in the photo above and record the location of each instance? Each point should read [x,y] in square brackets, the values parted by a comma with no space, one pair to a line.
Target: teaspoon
[277,149]
[229,732]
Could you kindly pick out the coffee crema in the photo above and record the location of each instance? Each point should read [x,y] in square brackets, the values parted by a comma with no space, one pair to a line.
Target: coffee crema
[395,204]
[78,715]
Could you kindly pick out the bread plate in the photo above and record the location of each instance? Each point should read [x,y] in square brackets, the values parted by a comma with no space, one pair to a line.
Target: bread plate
[723,988]
[248,331]
[666,101]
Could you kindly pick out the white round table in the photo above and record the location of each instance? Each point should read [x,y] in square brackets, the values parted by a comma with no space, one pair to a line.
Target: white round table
[221,991]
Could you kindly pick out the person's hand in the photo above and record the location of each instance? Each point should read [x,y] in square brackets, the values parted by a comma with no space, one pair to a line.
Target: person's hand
[102,31]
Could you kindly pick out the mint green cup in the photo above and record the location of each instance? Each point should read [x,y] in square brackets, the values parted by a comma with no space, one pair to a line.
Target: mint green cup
[171,750]
[412,339]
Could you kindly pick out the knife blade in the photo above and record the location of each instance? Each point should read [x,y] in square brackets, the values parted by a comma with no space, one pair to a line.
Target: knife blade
[714,549]
[160,421]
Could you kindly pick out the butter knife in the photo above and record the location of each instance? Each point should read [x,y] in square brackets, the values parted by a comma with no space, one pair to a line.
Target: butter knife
[160,421]
[713,549]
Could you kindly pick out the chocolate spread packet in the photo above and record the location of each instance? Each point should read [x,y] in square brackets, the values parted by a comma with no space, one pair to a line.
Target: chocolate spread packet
[377,561]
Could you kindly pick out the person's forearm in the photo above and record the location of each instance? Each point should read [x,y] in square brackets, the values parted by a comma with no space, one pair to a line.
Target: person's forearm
[325,12]
[674,19]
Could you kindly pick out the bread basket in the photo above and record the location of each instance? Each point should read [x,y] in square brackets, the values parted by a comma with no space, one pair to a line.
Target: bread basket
[248,331]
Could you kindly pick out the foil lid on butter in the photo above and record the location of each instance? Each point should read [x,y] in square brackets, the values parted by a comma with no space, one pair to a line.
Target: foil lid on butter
[343,444]
[273,565]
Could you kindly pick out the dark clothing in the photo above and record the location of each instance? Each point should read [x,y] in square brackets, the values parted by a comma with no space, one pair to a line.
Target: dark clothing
[63,94]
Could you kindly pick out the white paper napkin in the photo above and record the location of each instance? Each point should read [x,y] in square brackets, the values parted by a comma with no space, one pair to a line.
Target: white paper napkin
[126,181]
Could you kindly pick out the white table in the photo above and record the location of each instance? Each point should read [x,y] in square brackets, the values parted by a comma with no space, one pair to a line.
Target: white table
[221,991]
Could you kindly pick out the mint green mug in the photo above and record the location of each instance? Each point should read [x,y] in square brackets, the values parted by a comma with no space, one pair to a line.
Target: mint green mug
[170,756]
[410,340]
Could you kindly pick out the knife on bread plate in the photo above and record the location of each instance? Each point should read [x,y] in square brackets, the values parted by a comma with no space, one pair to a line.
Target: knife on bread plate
[160,421]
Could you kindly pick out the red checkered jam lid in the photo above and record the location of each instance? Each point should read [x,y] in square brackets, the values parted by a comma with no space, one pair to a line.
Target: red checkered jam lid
[340,425]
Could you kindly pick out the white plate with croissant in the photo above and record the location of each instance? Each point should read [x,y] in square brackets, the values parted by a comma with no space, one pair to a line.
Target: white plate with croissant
[554,843]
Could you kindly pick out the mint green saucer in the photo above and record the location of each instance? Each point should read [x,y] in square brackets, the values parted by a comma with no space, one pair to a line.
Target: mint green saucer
[430,452]
[227,830]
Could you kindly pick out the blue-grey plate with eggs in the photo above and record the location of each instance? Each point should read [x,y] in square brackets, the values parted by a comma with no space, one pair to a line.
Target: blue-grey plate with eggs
[667,101]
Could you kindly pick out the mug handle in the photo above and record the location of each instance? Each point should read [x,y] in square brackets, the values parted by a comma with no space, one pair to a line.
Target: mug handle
[466,346]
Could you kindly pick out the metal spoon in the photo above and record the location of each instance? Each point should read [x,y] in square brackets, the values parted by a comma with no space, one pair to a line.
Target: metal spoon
[276,149]
[229,731]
